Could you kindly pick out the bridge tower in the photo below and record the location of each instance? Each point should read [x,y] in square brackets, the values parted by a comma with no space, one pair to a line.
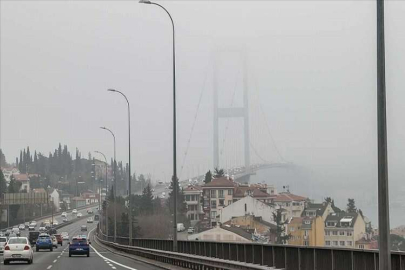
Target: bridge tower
[234,112]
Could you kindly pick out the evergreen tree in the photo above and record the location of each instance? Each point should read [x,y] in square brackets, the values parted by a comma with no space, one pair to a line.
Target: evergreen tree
[351,206]
[219,173]
[3,184]
[3,162]
[14,186]
[147,201]
[21,163]
[208,177]
[181,203]
[281,236]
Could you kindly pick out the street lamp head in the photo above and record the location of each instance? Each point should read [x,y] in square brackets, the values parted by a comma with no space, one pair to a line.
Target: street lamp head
[103,127]
[145,2]
[111,90]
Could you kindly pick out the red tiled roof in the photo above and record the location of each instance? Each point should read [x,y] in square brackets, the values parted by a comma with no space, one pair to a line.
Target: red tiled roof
[21,177]
[255,192]
[220,182]
[193,188]
[288,197]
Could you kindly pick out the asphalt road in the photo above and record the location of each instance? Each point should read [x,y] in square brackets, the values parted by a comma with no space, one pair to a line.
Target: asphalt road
[59,259]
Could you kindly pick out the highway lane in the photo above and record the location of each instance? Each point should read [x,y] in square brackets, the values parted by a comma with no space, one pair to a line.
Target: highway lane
[59,259]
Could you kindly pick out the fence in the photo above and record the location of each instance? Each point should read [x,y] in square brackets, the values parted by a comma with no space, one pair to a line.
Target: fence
[278,256]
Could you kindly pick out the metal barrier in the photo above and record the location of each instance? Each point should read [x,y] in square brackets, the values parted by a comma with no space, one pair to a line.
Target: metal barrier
[185,260]
[279,256]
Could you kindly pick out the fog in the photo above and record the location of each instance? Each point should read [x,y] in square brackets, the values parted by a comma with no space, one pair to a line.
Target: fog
[311,66]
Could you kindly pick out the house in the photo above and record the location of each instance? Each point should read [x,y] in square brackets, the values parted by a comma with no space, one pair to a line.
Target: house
[217,194]
[65,199]
[24,180]
[306,231]
[251,222]
[253,191]
[90,197]
[223,234]
[8,172]
[344,229]
[247,206]
[318,209]
[367,242]
[53,195]
[77,202]
[193,198]
[293,204]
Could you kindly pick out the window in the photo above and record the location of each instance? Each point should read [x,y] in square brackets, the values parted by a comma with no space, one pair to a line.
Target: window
[287,204]
[342,243]
[230,192]
[221,203]
[307,222]
[327,232]
[361,246]
[335,243]
[327,243]
[306,243]
[213,214]
[349,233]
[229,202]
[296,204]
[213,193]
[335,233]
[220,193]
[245,207]
[330,224]
[349,243]
[292,229]
[213,204]
[306,233]
[342,233]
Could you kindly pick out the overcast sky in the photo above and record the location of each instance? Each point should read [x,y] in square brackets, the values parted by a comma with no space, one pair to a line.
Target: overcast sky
[311,66]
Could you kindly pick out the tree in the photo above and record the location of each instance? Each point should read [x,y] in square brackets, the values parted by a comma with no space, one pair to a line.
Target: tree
[351,206]
[219,173]
[3,162]
[14,186]
[208,177]
[181,203]
[279,231]
[332,204]
[147,201]
[3,184]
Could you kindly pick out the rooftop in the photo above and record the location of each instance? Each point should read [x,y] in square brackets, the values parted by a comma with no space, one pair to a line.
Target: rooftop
[220,182]
[288,197]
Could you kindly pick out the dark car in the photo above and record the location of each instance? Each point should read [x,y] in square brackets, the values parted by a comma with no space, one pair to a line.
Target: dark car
[32,237]
[83,228]
[79,246]
[44,241]
[59,239]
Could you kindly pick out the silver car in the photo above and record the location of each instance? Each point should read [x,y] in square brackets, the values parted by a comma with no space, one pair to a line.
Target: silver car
[18,249]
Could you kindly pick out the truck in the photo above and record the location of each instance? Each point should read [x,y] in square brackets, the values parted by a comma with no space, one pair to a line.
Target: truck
[32,237]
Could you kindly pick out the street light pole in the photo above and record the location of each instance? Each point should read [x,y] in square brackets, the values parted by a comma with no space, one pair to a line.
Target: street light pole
[383,194]
[175,183]
[129,167]
[106,188]
[115,186]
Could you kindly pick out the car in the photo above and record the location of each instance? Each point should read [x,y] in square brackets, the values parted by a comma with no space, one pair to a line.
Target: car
[33,223]
[16,231]
[18,249]
[74,211]
[31,228]
[55,223]
[26,224]
[190,230]
[52,231]
[83,228]
[33,236]
[65,220]
[180,227]
[3,241]
[89,220]
[79,246]
[89,211]
[21,227]
[59,239]
[79,215]
[64,214]
[7,233]
[44,241]
[54,241]
[42,229]
[65,236]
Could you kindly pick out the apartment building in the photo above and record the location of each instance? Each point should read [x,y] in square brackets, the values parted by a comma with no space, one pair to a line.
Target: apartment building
[254,191]
[344,229]
[293,204]
[217,195]
[193,197]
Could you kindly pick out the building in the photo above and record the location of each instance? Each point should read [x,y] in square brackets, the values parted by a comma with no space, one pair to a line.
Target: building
[65,199]
[53,195]
[344,229]
[77,202]
[8,172]
[318,209]
[217,194]
[24,180]
[193,198]
[225,233]
[367,242]
[90,197]
[248,206]
[293,204]
[251,222]
[253,191]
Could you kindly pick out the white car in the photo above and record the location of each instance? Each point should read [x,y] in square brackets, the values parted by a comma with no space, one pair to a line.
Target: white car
[54,241]
[74,211]
[79,215]
[31,228]
[34,223]
[21,227]
[42,229]
[89,220]
[3,241]
[18,249]
[64,214]
[55,223]
[65,236]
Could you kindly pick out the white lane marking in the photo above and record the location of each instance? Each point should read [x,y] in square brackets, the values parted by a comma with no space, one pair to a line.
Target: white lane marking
[105,258]
[49,267]
[54,261]
[113,267]
[58,256]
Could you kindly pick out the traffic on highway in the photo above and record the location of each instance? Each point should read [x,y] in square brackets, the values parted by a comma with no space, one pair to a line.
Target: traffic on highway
[68,247]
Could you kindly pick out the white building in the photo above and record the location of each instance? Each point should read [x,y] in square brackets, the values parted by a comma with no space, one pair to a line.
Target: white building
[247,206]
[54,197]
[224,234]
[193,197]
[24,180]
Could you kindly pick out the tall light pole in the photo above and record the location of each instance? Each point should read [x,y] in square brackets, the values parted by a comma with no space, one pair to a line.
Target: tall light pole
[115,186]
[383,194]
[175,184]
[129,167]
[106,188]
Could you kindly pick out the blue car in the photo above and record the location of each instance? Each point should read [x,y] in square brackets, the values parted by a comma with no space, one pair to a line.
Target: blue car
[44,241]
[79,246]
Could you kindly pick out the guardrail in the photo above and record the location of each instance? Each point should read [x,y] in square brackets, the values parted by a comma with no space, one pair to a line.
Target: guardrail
[279,256]
[185,260]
